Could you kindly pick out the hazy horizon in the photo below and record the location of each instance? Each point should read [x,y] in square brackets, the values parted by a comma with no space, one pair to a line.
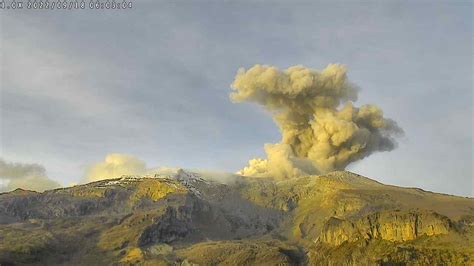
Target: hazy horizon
[153,82]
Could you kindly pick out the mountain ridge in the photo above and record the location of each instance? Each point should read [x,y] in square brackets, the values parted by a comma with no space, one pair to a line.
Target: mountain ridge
[183,218]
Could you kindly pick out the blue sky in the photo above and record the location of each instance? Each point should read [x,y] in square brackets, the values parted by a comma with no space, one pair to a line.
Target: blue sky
[154,81]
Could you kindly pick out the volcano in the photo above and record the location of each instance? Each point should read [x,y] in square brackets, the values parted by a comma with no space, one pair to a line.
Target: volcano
[186,218]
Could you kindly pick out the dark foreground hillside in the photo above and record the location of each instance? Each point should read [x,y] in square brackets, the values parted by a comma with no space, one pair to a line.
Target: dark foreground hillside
[182,219]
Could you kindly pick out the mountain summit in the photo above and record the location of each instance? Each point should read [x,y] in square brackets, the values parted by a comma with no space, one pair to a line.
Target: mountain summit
[183,218]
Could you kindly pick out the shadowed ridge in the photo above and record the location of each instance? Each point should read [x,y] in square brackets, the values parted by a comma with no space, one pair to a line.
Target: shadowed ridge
[338,218]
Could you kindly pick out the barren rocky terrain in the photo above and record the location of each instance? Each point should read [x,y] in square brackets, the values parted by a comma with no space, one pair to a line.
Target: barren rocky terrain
[185,218]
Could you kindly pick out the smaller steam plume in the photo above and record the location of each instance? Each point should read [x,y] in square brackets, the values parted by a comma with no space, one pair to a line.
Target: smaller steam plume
[321,128]
[115,165]
[25,176]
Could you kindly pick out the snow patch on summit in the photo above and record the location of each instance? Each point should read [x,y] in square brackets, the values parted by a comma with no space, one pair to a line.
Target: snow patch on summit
[190,180]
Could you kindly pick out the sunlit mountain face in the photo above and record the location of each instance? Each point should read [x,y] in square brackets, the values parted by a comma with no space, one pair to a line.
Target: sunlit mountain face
[181,217]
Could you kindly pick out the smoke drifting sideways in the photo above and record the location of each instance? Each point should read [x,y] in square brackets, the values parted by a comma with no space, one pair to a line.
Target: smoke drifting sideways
[24,176]
[321,128]
[114,166]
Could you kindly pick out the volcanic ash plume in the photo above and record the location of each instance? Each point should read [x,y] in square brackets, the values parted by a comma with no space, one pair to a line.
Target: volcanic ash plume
[321,129]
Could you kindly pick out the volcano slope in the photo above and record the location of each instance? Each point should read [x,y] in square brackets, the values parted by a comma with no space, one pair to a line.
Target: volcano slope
[339,218]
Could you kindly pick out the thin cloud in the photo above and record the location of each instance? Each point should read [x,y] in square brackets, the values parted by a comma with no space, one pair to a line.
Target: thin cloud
[24,176]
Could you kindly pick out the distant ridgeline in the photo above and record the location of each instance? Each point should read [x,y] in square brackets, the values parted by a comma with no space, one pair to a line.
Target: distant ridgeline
[185,218]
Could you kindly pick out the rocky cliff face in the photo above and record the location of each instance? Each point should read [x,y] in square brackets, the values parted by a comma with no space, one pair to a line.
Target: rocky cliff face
[397,226]
[336,219]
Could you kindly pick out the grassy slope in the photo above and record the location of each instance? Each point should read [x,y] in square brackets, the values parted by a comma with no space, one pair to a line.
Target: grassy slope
[306,202]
